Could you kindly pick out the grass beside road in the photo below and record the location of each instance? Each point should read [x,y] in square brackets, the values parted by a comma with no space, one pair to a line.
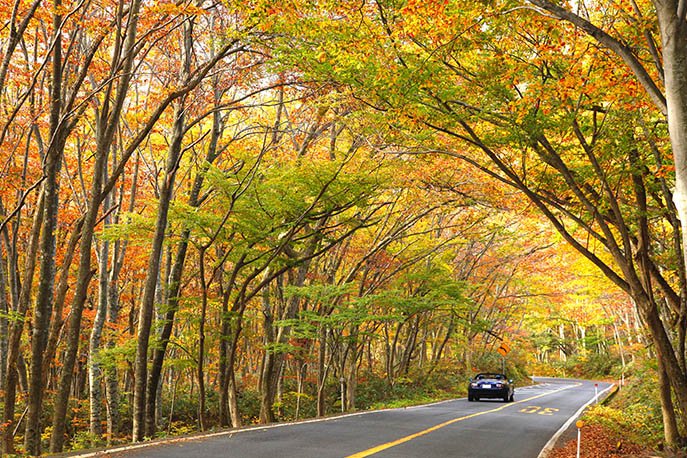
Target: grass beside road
[376,394]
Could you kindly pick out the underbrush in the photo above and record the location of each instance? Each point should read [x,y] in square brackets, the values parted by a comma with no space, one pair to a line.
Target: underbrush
[585,366]
[377,393]
[635,409]
[628,424]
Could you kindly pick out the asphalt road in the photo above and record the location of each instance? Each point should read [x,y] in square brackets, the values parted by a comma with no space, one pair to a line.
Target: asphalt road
[456,428]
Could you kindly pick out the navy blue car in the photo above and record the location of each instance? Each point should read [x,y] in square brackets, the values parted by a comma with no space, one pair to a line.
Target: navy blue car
[492,386]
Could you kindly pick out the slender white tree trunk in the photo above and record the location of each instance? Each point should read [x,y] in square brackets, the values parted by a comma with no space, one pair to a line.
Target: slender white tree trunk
[94,367]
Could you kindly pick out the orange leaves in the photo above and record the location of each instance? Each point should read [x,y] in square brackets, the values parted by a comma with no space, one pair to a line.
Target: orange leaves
[665,171]
[175,8]
[431,22]
[598,442]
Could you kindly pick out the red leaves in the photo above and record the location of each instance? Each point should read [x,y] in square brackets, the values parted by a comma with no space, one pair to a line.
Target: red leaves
[598,442]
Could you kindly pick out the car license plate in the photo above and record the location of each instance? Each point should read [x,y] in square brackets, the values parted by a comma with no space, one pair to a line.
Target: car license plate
[486,386]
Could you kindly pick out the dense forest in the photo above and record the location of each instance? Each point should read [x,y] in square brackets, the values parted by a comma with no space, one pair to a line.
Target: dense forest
[215,214]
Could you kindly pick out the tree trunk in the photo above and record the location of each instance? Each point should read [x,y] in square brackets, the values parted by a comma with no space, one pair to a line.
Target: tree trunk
[145,393]
[43,307]
[233,399]
[352,378]
[94,367]
[46,281]
[80,296]
[9,350]
[201,341]
[322,373]
[108,120]
[671,432]
[410,346]
[673,29]
[4,314]
[174,285]
[232,388]
[231,329]
[274,358]
[267,385]
[111,383]
[145,316]
[670,15]
[665,354]
[436,357]
[16,330]
[223,363]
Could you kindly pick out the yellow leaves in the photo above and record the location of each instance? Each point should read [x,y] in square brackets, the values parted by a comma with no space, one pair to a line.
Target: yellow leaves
[428,21]
[174,9]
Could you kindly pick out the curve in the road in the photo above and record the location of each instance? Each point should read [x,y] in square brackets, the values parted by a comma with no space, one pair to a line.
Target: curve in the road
[456,428]
[552,442]
[379,448]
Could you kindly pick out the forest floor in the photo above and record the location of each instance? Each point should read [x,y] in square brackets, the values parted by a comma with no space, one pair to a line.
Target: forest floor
[599,441]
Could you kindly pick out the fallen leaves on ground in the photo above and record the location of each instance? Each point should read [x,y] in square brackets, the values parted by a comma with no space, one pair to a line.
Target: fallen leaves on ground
[599,442]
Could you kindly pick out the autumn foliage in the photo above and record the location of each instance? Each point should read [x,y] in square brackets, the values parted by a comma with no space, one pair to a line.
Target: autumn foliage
[599,442]
[213,212]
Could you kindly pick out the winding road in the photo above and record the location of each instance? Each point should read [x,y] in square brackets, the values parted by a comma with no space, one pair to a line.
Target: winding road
[455,428]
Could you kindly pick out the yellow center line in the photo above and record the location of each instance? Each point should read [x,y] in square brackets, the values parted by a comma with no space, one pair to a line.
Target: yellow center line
[379,448]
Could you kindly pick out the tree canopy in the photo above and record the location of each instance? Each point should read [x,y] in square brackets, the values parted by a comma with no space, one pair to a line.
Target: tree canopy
[211,213]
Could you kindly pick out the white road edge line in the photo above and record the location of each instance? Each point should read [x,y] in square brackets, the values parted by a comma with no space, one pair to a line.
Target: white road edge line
[552,442]
[126,448]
